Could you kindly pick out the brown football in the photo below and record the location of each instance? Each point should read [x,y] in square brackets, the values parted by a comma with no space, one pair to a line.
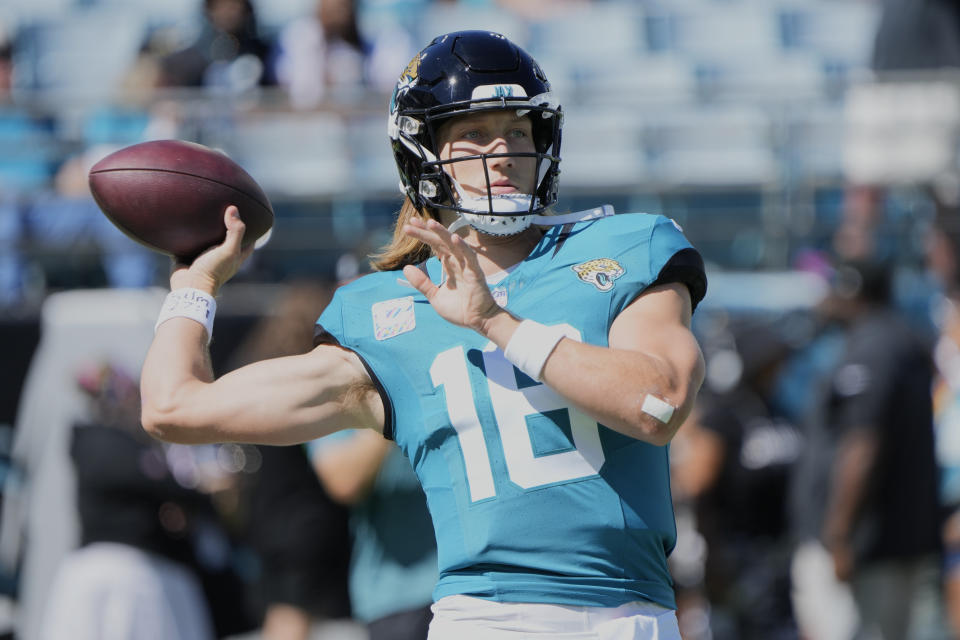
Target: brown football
[170,195]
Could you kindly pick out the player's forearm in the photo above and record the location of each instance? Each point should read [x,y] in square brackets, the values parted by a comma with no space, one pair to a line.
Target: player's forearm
[176,362]
[613,385]
[639,394]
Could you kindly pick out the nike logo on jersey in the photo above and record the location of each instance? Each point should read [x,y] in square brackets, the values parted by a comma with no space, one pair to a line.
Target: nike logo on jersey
[393,317]
[600,272]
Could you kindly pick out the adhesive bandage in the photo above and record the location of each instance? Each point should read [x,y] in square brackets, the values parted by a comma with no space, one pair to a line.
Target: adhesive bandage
[659,409]
[530,346]
[195,304]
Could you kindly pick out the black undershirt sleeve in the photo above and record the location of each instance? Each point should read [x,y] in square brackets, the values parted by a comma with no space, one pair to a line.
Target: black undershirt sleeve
[685,266]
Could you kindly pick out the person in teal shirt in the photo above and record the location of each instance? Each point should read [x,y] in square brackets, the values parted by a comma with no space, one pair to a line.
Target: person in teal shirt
[393,562]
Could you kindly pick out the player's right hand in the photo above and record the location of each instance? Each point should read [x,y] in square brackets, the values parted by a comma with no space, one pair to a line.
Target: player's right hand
[212,268]
[463,297]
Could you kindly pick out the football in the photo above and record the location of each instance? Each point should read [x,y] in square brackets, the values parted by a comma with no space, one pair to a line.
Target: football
[170,195]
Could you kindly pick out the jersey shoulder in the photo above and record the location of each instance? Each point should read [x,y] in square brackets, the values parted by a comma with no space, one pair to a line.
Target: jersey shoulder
[628,224]
[625,230]
[379,284]
[639,249]
[350,300]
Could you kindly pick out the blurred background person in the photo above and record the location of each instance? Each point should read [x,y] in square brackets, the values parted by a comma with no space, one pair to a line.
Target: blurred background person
[132,576]
[298,533]
[40,523]
[6,63]
[393,564]
[917,35]
[942,257]
[876,490]
[228,53]
[325,53]
[733,463]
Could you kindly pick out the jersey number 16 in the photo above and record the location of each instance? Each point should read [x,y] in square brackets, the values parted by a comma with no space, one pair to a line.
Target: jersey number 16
[511,407]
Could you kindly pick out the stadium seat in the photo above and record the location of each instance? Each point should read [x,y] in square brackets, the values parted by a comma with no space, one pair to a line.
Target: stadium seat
[901,133]
[839,31]
[441,18]
[602,148]
[599,33]
[777,77]
[720,145]
[639,78]
[373,160]
[729,29]
[293,154]
[29,150]
[115,126]
[83,54]
[272,15]
[166,13]
[812,142]
[28,11]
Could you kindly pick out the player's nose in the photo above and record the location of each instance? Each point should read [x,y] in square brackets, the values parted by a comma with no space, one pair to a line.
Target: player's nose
[498,146]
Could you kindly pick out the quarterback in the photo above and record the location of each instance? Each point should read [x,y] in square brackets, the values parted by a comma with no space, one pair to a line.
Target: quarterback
[532,366]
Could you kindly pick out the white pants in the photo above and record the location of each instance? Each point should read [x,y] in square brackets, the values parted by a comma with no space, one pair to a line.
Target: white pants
[466,618]
[824,607]
[109,591]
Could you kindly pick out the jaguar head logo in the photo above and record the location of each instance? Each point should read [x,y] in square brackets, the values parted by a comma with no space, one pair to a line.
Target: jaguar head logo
[600,272]
[407,80]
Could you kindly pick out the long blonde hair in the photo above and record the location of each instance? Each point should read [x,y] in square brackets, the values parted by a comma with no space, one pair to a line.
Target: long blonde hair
[402,249]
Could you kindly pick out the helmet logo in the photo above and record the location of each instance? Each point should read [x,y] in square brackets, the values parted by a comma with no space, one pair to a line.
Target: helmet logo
[600,272]
[407,79]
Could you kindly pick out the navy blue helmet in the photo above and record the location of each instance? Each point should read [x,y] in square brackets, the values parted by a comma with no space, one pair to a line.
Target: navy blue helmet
[466,72]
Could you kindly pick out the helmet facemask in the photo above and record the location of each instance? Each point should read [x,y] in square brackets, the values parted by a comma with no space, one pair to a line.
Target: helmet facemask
[495,214]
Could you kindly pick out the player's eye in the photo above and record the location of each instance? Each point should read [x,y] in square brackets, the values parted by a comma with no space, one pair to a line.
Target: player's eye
[518,133]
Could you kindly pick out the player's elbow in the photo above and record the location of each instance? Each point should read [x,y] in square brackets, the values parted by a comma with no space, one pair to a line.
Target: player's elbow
[155,422]
[160,422]
[167,422]
[657,416]
[653,429]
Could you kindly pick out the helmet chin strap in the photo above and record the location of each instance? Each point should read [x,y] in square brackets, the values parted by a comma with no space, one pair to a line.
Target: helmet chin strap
[476,212]
[495,215]
[512,225]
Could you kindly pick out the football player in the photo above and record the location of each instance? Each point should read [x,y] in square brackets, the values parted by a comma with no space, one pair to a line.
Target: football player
[533,367]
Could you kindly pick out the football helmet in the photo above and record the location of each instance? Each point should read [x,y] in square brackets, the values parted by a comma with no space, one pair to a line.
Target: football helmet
[466,72]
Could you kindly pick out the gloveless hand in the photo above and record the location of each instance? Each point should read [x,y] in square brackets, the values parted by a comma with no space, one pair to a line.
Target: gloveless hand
[212,268]
[463,297]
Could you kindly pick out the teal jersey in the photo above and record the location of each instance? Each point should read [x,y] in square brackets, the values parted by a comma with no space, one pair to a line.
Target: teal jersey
[531,500]
[393,560]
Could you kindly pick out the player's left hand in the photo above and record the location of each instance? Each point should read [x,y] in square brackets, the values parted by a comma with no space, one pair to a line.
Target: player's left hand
[463,297]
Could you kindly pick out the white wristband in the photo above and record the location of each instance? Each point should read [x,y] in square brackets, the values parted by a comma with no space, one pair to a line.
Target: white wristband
[530,346]
[189,303]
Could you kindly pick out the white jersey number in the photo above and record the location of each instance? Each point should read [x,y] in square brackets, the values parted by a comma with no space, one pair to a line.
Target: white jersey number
[512,406]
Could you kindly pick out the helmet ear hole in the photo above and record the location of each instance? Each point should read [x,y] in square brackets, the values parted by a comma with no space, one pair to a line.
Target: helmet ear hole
[428,189]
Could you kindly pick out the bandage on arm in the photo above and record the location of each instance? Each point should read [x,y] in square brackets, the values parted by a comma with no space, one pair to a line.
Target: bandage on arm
[659,409]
